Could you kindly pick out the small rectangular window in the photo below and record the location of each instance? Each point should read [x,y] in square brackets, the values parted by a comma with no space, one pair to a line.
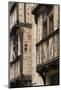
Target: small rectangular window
[25,47]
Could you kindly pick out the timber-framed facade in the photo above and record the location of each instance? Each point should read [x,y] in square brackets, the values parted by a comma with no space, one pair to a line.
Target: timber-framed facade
[47,42]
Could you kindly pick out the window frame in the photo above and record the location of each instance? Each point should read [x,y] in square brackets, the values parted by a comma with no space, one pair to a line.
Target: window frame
[25,47]
[51,27]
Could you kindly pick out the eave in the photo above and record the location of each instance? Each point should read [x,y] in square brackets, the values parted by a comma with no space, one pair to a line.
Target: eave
[39,8]
[36,8]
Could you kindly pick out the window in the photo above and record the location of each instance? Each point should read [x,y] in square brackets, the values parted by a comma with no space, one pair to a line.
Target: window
[51,24]
[45,25]
[25,47]
[15,47]
[44,29]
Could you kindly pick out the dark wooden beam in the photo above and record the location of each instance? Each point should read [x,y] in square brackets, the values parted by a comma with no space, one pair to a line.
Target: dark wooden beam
[40,8]
[14,61]
[13,7]
[25,12]
[28,25]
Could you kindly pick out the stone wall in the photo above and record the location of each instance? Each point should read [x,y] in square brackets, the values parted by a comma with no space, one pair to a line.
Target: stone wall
[28,13]
[36,78]
[21,12]
[27,51]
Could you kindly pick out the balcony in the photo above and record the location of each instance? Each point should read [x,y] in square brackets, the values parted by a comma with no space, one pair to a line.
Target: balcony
[48,57]
[46,66]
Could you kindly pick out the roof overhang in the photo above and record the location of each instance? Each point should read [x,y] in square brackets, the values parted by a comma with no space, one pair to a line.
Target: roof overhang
[39,8]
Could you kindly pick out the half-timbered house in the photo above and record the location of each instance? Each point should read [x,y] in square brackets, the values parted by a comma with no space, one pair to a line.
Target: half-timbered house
[47,42]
